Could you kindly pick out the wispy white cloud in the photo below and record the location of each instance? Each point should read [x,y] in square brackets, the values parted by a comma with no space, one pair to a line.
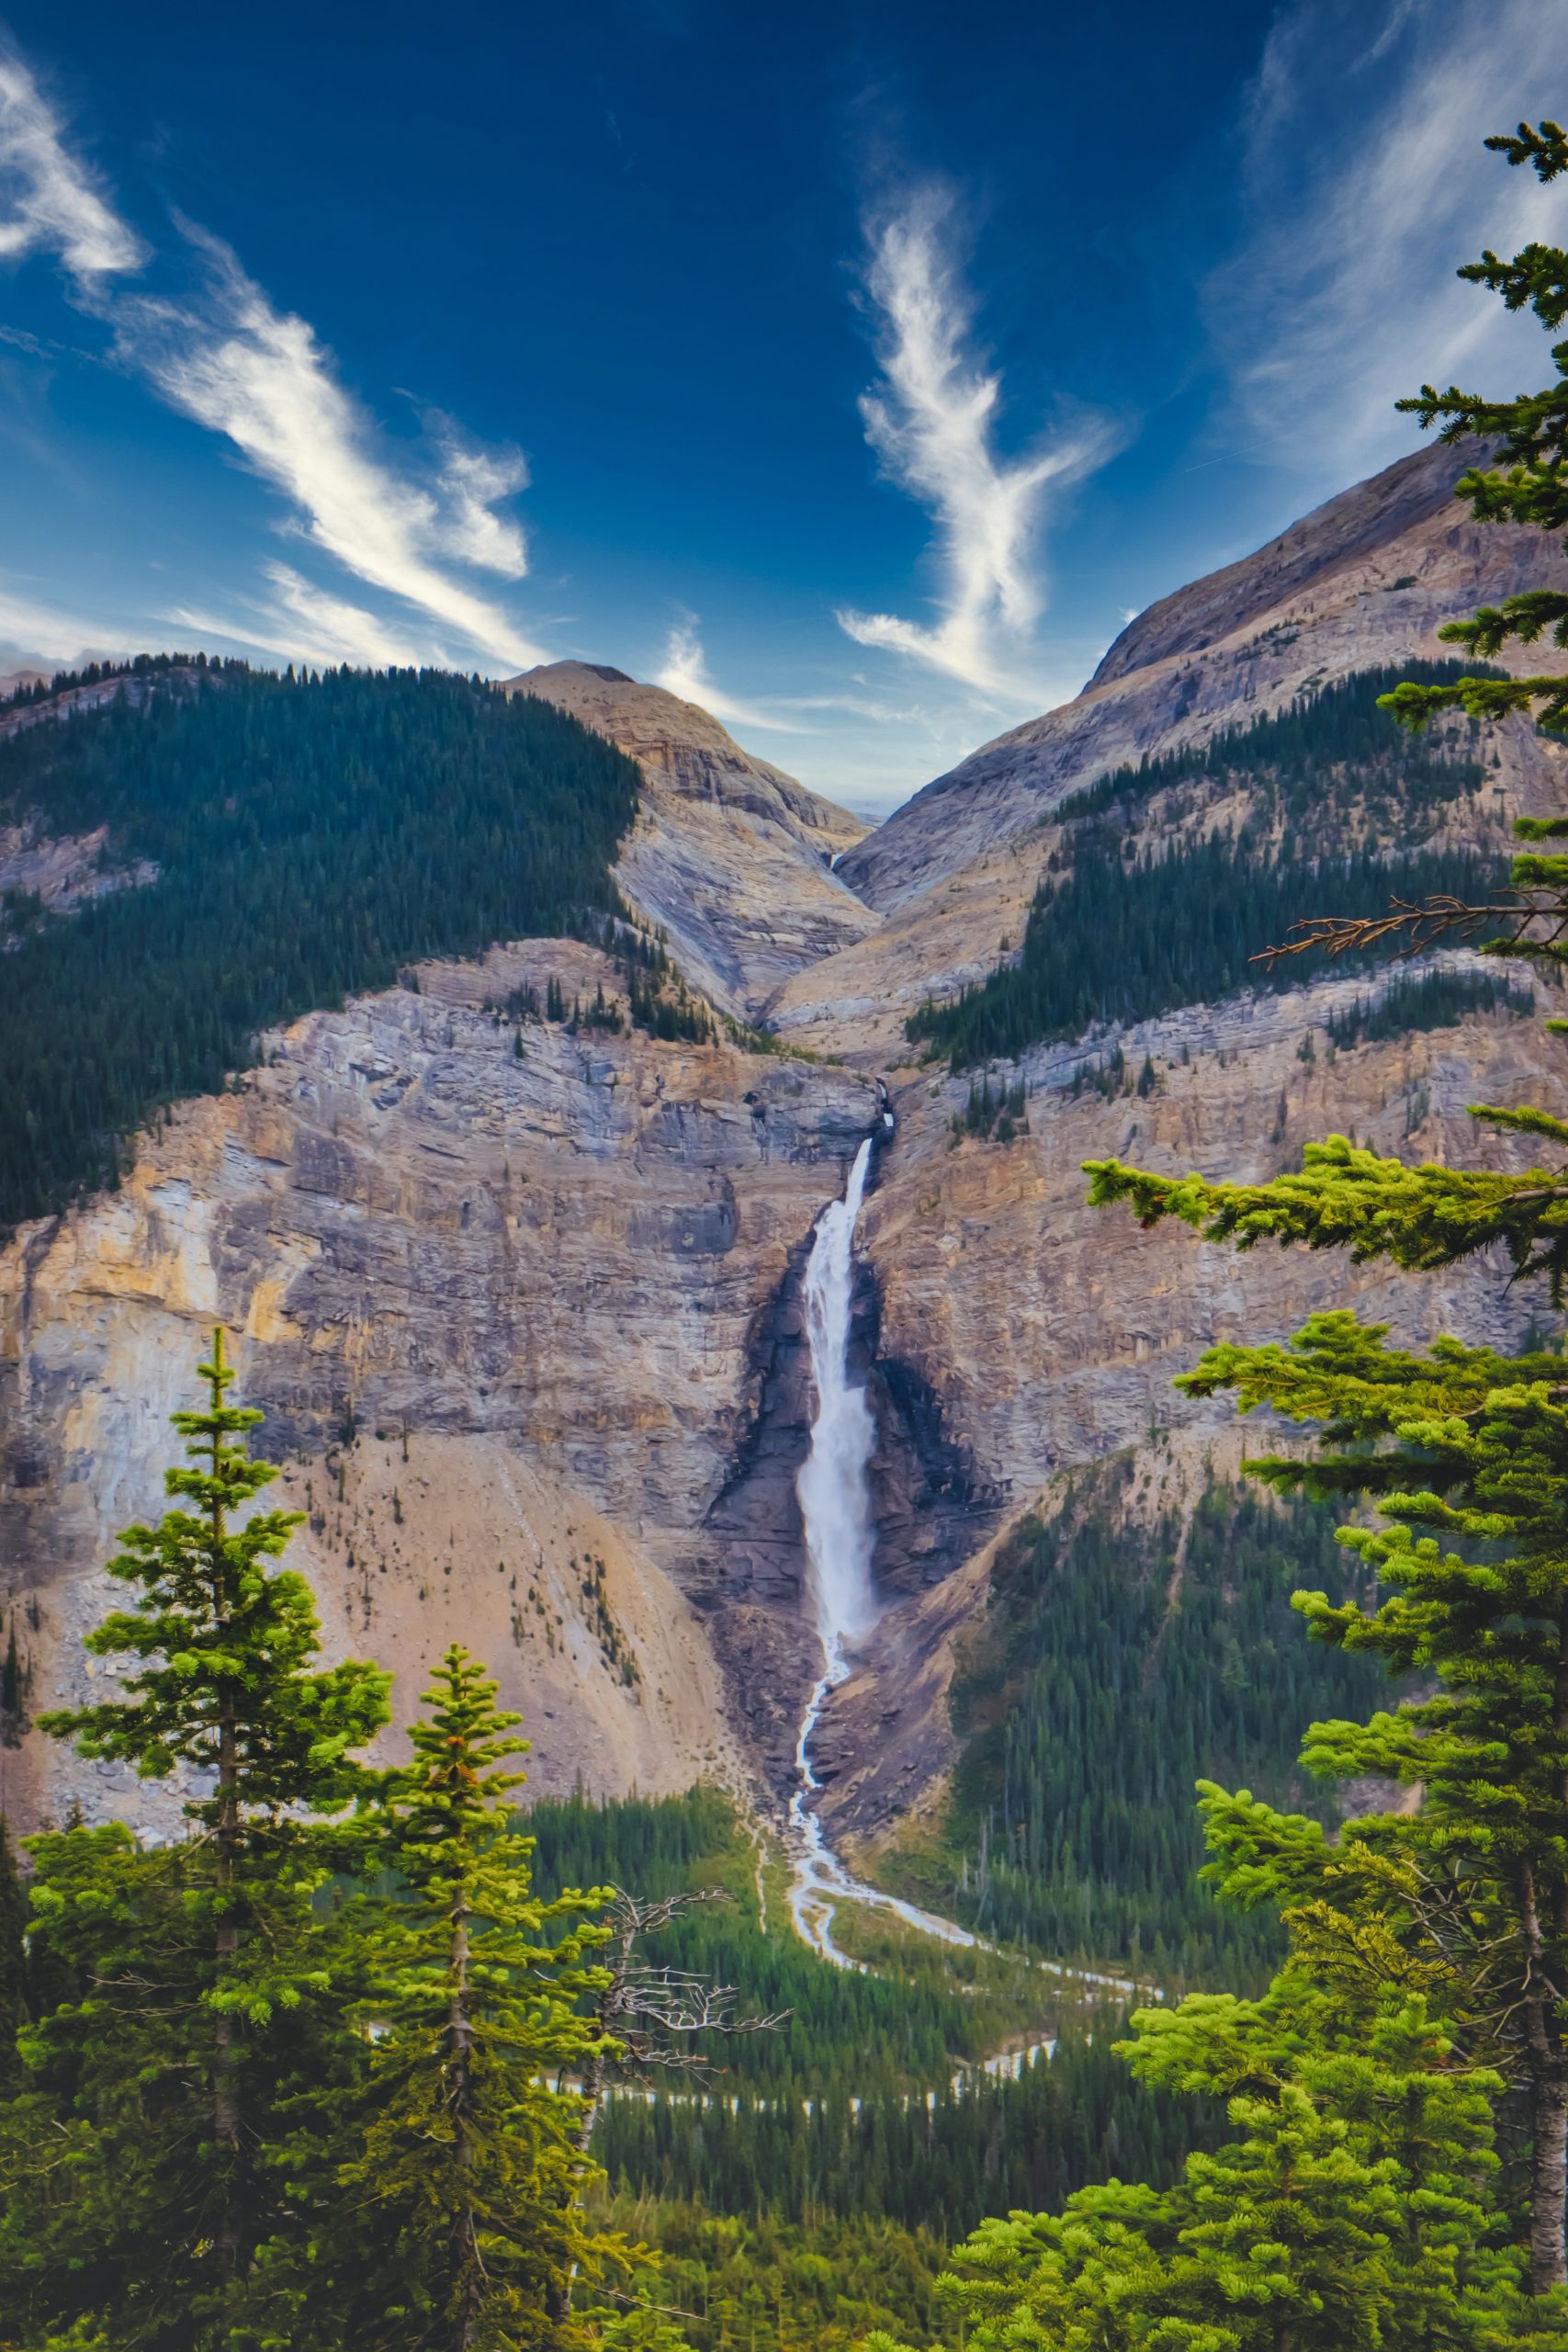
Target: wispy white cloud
[260,377]
[685,673]
[1367,184]
[405,522]
[472,483]
[300,622]
[47,200]
[932,420]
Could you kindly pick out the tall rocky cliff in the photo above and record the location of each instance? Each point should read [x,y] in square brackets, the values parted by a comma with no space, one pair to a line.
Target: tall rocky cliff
[523,1305]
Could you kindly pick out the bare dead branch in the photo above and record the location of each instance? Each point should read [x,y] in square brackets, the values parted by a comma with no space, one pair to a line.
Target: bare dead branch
[1418,925]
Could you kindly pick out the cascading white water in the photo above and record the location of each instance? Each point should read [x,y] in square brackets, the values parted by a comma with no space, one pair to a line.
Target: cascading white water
[834,1485]
[834,1489]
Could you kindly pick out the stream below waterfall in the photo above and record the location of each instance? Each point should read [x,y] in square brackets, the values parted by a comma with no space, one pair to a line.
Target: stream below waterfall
[834,1489]
[834,1492]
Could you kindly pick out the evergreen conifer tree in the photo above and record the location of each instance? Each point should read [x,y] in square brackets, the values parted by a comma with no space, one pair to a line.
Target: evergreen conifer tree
[185,1991]
[1464,1899]
[468,2172]
[1344,1196]
[13,1957]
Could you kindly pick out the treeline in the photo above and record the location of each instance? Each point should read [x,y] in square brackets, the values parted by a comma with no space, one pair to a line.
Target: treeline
[850,2034]
[141,666]
[1121,938]
[1124,926]
[1333,742]
[1436,999]
[874,2105]
[932,2163]
[311,835]
[1117,1664]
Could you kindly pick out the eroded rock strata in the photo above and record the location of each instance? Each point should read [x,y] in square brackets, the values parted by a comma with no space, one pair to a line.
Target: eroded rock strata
[522,1307]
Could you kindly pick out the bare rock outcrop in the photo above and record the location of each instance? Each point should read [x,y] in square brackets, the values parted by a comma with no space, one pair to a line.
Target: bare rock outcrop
[523,1306]
[497,1289]
[730,855]
[1369,578]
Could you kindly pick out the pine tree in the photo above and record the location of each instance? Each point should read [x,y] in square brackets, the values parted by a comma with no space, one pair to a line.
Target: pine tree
[1471,1888]
[468,2172]
[12,1721]
[13,1958]
[1533,430]
[1466,1897]
[188,1997]
[1343,1197]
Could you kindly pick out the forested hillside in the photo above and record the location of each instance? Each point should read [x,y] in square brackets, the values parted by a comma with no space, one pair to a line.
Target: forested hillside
[1142,907]
[311,834]
[812,2178]
[1118,1663]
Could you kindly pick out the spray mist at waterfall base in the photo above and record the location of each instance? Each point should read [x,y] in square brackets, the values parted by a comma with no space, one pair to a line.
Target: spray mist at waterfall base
[834,1489]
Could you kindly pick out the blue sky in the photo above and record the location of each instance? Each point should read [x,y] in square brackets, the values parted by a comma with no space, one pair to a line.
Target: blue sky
[856,368]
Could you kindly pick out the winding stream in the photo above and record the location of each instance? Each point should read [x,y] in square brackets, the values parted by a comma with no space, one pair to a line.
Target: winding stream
[834,1489]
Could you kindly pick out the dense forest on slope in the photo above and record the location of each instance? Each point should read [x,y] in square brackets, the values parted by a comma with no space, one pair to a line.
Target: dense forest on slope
[1120,939]
[311,834]
[871,2107]
[1129,924]
[1116,1664]
[1325,753]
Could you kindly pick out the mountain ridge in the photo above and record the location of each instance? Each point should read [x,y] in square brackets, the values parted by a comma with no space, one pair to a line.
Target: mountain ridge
[729,856]
[571,1256]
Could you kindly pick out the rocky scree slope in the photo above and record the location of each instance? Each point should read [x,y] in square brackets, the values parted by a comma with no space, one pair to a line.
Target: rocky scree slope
[729,856]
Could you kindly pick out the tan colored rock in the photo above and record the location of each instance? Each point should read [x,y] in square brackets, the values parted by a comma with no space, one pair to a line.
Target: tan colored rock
[572,1277]
[1369,578]
[546,1257]
[730,855]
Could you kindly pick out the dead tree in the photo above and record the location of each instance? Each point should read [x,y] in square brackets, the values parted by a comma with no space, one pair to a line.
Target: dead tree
[652,2016]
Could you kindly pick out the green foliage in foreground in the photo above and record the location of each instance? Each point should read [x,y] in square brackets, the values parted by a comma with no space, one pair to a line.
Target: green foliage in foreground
[1529,487]
[281,2078]
[1117,1663]
[755,2283]
[1432,1936]
[311,835]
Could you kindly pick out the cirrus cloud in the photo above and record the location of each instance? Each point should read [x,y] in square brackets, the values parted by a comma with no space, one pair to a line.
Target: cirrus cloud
[48,201]
[407,522]
[932,420]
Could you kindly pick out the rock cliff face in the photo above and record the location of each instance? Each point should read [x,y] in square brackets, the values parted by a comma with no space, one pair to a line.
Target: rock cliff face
[522,1307]
[730,857]
[1369,578]
[497,1291]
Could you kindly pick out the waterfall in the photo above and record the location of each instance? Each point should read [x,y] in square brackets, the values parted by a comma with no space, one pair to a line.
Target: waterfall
[834,1489]
[834,1485]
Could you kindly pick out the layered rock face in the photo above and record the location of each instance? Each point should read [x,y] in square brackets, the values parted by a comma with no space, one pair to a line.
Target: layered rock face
[522,1307]
[1050,1333]
[497,1289]
[730,857]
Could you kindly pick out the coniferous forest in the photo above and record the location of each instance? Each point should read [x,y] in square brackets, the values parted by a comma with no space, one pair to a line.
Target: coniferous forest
[1258,1808]
[1131,923]
[309,834]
